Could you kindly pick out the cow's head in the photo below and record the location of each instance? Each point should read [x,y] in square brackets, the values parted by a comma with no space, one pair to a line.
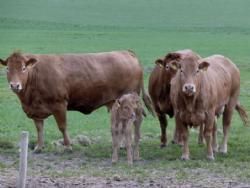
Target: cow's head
[127,105]
[165,65]
[17,70]
[189,71]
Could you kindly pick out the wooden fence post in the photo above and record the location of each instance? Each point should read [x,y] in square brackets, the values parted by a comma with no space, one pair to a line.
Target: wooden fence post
[23,159]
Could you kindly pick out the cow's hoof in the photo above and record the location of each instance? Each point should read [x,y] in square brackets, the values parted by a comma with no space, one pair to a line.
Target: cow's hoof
[215,149]
[130,163]
[174,142]
[210,157]
[163,145]
[114,162]
[68,149]
[201,142]
[223,150]
[185,157]
[38,149]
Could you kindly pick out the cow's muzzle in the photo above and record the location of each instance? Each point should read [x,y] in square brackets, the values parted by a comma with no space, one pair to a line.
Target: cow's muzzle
[189,89]
[15,86]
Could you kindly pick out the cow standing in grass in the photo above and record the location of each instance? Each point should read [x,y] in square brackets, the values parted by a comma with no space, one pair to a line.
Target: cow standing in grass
[52,84]
[199,91]
[126,115]
[159,90]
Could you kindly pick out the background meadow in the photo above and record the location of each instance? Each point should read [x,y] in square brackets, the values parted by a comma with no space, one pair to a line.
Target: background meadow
[151,29]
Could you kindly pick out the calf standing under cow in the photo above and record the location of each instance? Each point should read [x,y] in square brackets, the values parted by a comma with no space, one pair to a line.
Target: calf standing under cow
[52,84]
[126,113]
[199,91]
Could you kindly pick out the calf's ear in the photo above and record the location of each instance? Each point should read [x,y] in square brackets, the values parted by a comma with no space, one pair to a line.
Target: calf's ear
[160,62]
[31,61]
[3,62]
[204,65]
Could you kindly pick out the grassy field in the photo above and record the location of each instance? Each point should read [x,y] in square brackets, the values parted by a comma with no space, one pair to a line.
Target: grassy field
[151,29]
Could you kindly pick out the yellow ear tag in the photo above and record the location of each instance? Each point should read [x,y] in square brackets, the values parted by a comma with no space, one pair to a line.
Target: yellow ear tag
[204,69]
[174,67]
[160,65]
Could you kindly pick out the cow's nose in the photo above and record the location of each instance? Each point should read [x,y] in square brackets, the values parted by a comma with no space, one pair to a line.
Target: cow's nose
[189,88]
[15,86]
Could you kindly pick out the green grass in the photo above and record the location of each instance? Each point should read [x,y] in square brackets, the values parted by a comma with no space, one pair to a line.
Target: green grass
[151,29]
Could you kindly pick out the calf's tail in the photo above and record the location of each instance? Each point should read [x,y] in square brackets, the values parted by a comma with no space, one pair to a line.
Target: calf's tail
[243,114]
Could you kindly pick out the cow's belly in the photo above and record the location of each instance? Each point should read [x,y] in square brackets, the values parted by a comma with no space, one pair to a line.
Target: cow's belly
[192,119]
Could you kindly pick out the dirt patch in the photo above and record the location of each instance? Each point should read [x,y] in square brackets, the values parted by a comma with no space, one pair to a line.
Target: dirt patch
[49,170]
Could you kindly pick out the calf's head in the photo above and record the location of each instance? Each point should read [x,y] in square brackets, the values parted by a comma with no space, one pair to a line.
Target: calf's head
[17,70]
[189,71]
[127,106]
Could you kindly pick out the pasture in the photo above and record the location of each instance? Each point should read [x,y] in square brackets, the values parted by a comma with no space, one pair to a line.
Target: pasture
[151,29]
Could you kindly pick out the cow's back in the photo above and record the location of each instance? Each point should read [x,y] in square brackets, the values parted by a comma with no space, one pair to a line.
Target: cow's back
[223,78]
[88,81]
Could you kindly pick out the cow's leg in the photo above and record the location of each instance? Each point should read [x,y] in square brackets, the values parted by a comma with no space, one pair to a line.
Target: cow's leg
[115,144]
[201,140]
[208,132]
[227,117]
[177,139]
[184,138]
[40,138]
[215,145]
[137,136]
[163,123]
[60,116]
[128,141]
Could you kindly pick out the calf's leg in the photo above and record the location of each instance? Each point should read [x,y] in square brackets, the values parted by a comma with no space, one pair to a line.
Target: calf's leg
[137,125]
[115,144]
[128,140]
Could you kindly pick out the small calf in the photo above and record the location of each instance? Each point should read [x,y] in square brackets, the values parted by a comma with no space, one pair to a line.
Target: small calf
[126,112]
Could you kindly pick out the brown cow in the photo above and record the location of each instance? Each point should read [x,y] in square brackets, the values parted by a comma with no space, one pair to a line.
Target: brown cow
[200,90]
[159,89]
[52,84]
[126,112]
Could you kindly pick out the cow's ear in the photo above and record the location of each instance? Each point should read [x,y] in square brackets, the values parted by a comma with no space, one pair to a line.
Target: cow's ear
[174,66]
[3,62]
[204,65]
[31,61]
[159,62]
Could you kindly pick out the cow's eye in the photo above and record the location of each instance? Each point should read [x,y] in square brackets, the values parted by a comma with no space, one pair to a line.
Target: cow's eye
[197,71]
[181,71]
[23,69]
[167,67]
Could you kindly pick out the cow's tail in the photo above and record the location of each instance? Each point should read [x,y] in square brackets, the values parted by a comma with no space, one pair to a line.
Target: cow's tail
[146,99]
[243,114]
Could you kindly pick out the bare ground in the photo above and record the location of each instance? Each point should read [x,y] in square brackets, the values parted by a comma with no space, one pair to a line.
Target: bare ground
[45,170]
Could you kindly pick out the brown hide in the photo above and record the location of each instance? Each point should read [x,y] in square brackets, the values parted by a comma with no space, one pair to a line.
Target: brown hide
[159,87]
[51,84]
[216,82]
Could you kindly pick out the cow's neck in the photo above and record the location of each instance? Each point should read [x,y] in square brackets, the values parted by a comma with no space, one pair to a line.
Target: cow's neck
[191,102]
[165,82]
